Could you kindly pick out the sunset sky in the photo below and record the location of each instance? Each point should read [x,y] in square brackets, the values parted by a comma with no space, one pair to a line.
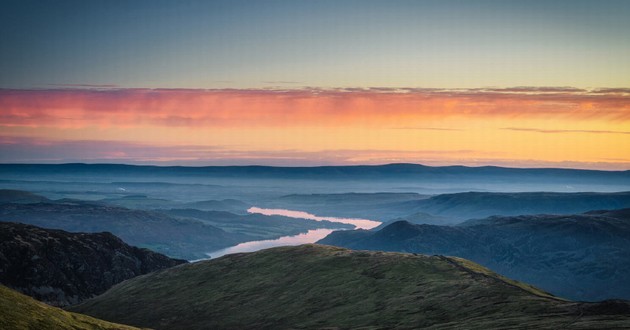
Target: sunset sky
[520,84]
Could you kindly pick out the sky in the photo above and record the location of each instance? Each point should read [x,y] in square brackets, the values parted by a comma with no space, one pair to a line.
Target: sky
[306,83]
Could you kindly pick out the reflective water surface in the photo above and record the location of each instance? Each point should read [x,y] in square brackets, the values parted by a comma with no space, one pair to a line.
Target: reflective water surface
[311,236]
[358,223]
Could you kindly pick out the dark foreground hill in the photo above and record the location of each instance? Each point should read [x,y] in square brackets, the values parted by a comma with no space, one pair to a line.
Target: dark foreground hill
[62,268]
[314,286]
[19,312]
[581,257]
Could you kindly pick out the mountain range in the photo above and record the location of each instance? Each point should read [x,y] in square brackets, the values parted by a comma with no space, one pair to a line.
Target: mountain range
[450,208]
[581,257]
[186,233]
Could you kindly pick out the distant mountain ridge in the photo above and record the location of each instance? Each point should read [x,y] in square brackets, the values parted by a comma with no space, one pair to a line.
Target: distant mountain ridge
[322,287]
[179,238]
[452,208]
[387,170]
[583,257]
[62,268]
[179,233]
[471,205]
[20,197]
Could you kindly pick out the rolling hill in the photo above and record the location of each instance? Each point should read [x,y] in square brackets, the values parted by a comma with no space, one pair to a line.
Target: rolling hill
[178,233]
[175,237]
[20,197]
[20,312]
[472,205]
[314,286]
[582,257]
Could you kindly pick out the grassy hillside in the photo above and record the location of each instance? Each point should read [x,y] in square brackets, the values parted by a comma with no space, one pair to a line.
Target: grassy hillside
[583,256]
[19,312]
[315,286]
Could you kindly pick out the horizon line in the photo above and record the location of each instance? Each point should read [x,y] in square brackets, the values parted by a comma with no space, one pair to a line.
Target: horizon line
[314,166]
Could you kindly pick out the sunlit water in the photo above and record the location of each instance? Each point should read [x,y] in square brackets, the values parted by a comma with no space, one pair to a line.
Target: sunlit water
[311,236]
[358,223]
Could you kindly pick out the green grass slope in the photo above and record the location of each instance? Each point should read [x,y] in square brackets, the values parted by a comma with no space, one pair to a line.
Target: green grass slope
[316,286]
[18,312]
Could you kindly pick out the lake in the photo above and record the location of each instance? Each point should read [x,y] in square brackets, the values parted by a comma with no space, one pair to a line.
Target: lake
[311,236]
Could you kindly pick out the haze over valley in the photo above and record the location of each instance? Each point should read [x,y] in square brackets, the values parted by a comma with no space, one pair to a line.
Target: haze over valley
[296,164]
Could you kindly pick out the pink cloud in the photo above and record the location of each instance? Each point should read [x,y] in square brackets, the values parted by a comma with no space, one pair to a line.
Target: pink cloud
[300,107]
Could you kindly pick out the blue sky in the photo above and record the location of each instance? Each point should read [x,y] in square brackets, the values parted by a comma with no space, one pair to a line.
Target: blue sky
[244,44]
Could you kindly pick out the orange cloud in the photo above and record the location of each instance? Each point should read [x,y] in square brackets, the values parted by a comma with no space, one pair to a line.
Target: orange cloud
[376,107]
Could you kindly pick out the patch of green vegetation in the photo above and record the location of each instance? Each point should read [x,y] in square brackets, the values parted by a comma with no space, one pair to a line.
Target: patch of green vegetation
[473,267]
[18,312]
[315,286]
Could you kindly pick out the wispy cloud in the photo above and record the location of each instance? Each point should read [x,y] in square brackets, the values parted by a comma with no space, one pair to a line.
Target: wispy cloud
[282,82]
[611,91]
[555,131]
[534,89]
[428,128]
[377,107]
[84,85]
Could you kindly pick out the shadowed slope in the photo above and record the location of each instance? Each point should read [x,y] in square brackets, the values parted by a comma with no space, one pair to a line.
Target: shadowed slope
[62,268]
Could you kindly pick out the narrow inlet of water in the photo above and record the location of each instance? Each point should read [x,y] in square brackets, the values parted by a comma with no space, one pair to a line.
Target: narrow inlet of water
[311,236]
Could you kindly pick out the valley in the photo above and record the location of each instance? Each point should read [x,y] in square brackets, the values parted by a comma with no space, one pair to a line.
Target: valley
[314,165]
[219,240]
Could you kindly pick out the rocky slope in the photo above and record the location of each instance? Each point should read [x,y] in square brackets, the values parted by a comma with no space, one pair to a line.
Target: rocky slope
[62,268]
[314,286]
[582,257]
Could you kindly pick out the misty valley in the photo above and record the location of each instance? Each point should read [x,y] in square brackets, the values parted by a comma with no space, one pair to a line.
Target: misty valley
[300,164]
[78,236]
